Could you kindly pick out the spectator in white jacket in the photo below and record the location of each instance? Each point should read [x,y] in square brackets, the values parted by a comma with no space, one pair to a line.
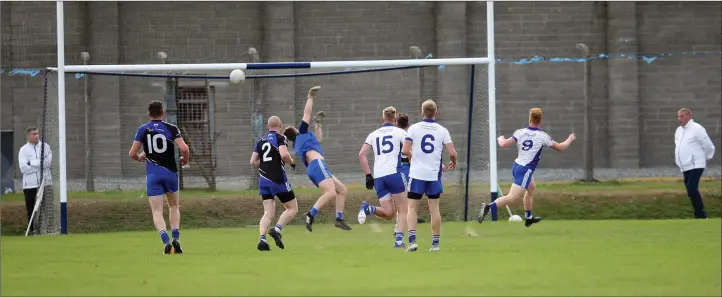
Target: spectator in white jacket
[692,150]
[29,159]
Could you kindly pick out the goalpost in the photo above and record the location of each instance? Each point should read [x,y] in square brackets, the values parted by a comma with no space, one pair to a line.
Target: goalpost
[481,83]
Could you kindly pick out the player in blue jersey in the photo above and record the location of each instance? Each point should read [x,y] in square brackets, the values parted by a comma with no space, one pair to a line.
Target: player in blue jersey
[270,155]
[385,143]
[529,142]
[159,140]
[308,147]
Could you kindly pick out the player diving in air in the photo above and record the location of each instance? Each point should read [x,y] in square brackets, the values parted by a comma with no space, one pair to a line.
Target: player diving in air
[529,142]
[308,147]
[270,155]
[159,140]
[385,142]
[424,145]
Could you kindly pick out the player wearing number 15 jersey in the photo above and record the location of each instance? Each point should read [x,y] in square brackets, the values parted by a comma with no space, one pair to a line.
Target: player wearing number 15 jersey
[159,140]
[269,156]
[385,142]
[424,145]
[529,142]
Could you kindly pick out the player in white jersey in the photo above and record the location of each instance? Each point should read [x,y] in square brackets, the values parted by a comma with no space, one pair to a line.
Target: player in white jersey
[385,142]
[424,145]
[529,142]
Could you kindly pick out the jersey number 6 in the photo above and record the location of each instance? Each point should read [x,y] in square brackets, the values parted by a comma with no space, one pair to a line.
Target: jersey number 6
[527,145]
[384,142]
[156,143]
[426,146]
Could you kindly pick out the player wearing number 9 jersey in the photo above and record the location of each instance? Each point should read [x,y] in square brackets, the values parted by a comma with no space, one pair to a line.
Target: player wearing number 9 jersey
[270,155]
[385,142]
[529,142]
[159,140]
[424,145]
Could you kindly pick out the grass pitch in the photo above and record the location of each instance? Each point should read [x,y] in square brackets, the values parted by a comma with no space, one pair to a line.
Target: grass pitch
[632,257]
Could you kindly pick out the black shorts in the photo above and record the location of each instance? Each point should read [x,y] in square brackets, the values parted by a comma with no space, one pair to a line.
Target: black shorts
[282,196]
[417,196]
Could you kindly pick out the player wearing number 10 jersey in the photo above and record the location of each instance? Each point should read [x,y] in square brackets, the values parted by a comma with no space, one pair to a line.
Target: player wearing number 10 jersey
[529,141]
[424,145]
[159,140]
[385,142]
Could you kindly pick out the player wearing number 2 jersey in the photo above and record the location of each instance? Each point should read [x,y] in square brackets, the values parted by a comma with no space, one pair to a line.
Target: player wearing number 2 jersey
[385,142]
[424,145]
[269,156]
[159,139]
[529,141]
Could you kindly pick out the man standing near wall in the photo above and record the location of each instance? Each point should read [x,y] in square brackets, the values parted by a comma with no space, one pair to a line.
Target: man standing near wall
[692,150]
[29,161]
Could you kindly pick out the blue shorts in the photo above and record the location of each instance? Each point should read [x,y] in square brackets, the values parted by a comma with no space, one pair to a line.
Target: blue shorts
[421,187]
[404,171]
[522,175]
[160,183]
[272,189]
[317,171]
[389,184]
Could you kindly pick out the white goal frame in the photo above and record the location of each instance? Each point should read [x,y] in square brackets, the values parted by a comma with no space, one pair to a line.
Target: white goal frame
[62,69]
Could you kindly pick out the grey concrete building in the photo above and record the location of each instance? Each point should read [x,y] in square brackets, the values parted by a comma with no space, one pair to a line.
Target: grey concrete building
[634,102]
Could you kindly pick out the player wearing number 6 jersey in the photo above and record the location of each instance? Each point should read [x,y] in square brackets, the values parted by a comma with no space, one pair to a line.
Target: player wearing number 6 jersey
[529,141]
[424,145]
[270,155]
[159,140]
[385,142]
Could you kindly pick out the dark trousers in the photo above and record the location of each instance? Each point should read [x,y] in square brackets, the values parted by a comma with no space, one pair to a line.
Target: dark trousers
[30,204]
[691,182]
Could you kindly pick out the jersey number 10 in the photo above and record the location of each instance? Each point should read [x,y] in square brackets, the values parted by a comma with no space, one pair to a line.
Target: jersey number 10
[156,143]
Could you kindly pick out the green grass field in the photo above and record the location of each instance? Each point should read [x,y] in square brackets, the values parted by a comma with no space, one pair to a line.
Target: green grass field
[573,258]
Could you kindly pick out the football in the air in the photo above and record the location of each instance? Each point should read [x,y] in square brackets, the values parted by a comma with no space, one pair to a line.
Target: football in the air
[237,76]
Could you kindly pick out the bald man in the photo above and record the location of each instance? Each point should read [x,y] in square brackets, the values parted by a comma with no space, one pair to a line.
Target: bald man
[269,156]
[693,149]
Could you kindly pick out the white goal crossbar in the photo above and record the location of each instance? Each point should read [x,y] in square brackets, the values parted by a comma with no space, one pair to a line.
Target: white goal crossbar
[62,69]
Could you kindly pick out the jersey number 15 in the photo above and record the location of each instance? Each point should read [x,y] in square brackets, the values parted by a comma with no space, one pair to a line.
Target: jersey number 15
[383,143]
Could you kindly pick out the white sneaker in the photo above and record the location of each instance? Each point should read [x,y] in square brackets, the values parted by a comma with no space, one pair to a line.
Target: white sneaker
[412,247]
[361,217]
[434,248]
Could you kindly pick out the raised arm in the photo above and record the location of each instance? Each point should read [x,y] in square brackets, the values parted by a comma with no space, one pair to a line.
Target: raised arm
[506,142]
[308,110]
[318,131]
[564,145]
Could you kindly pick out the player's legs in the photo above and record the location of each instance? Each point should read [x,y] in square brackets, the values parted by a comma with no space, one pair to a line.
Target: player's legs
[171,185]
[269,212]
[416,190]
[402,209]
[530,219]
[320,176]
[522,178]
[433,192]
[155,191]
[341,194]
[385,186]
[288,198]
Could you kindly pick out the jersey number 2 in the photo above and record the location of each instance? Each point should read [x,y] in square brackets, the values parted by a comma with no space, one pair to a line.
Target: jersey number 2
[384,142]
[266,148]
[157,144]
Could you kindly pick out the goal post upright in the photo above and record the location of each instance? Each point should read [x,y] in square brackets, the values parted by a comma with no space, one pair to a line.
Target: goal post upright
[492,103]
[60,18]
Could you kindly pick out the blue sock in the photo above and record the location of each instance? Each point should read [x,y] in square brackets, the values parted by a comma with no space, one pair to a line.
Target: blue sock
[412,236]
[399,236]
[492,206]
[279,227]
[175,233]
[263,237]
[435,240]
[339,215]
[313,211]
[164,236]
[370,209]
[527,213]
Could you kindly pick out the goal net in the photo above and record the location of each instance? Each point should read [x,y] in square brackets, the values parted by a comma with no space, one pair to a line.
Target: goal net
[221,121]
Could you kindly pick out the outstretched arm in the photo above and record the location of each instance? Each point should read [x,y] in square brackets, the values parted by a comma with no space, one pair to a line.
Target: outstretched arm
[309,104]
[506,142]
[318,131]
[564,145]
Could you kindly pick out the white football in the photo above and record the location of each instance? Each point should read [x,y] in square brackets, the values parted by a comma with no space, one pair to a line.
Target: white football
[515,218]
[237,76]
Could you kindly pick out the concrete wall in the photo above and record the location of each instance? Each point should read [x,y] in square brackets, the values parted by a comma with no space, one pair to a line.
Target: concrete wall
[634,103]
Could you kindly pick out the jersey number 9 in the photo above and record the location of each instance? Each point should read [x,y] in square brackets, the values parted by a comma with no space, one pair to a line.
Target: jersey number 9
[426,145]
[384,142]
[156,143]
[527,145]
